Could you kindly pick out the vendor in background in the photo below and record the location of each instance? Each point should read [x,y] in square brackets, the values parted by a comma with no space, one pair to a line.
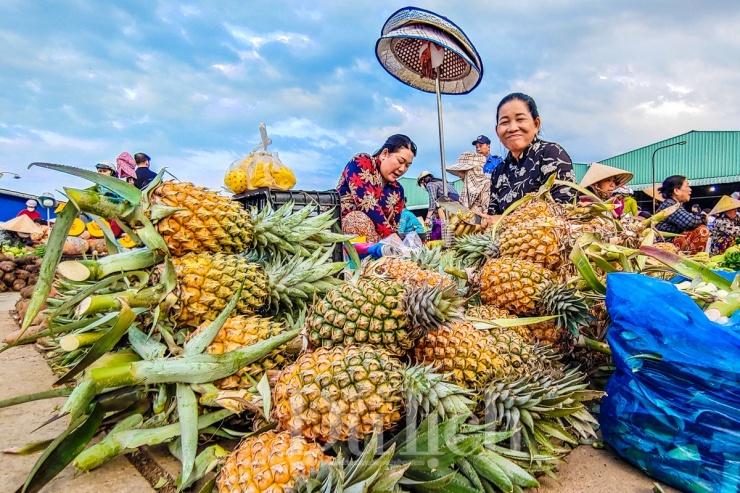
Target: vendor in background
[371,198]
[691,227]
[30,211]
[625,196]
[724,231]
[476,191]
[106,168]
[530,161]
[435,189]
[603,181]
[409,223]
[483,147]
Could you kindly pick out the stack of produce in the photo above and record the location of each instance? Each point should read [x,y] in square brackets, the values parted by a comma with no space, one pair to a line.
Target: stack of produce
[227,323]
[19,271]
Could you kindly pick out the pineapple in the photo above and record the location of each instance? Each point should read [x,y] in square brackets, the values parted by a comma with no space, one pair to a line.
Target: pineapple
[340,393]
[269,463]
[381,312]
[203,284]
[542,240]
[178,218]
[406,271]
[242,331]
[461,350]
[528,289]
[473,250]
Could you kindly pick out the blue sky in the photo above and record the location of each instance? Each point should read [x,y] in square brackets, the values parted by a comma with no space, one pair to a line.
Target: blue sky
[189,82]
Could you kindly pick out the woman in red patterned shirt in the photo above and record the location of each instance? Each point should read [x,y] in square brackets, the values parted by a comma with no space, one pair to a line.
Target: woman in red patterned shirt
[370,196]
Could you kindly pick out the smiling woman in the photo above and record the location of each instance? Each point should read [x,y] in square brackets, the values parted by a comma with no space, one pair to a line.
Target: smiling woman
[371,197]
[530,161]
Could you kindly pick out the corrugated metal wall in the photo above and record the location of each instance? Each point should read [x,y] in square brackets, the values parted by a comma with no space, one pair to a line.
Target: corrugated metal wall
[706,158]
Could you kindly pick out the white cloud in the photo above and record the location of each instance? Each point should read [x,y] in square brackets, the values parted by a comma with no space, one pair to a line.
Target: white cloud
[681,90]
[668,108]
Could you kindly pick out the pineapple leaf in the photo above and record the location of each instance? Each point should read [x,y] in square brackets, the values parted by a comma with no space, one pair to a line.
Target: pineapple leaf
[200,342]
[121,188]
[687,267]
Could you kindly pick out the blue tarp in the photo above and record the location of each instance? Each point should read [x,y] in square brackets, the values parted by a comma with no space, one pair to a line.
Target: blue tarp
[673,403]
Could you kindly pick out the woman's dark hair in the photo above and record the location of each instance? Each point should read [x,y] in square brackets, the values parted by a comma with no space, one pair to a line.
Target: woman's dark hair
[140,157]
[670,184]
[521,97]
[396,142]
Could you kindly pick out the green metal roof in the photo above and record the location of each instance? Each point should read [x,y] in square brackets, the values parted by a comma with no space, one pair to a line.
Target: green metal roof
[417,197]
[707,158]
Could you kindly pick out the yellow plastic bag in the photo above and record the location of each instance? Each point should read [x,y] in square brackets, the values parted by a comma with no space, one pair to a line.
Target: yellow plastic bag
[259,169]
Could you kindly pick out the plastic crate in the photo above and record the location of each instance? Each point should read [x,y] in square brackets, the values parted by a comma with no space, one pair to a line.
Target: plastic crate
[263,197]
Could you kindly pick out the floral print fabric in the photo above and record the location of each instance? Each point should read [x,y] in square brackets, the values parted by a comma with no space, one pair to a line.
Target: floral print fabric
[722,233]
[362,188]
[514,178]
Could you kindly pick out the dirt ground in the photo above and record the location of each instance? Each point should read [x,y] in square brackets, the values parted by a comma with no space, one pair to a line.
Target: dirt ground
[23,371]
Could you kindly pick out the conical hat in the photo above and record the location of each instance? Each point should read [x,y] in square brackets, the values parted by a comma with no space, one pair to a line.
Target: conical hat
[21,224]
[725,204]
[597,172]
[653,192]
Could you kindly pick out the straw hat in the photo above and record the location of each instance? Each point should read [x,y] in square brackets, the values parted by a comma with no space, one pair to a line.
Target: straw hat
[467,161]
[21,224]
[725,204]
[597,172]
[423,174]
[653,192]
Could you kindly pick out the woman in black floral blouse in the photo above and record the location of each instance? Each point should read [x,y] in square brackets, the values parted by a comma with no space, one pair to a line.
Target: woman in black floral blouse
[530,161]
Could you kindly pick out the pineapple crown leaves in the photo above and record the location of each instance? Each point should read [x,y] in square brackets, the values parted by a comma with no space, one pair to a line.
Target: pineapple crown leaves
[366,474]
[297,281]
[566,302]
[429,392]
[472,250]
[543,405]
[427,307]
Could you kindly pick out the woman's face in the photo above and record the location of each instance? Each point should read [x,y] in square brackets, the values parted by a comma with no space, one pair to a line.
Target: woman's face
[105,171]
[516,128]
[607,185]
[732,213]
[393,165]
[683,194]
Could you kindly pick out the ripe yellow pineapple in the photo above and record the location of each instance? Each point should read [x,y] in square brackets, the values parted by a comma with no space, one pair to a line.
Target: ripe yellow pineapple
[208,221]
[461,350]
[242,331]
[269,463]
[340,393]
[512,284]
[536,231]
[528,289]
[406,271]
[381,312]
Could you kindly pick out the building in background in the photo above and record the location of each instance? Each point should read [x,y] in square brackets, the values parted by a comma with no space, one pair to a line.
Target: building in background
[710,161]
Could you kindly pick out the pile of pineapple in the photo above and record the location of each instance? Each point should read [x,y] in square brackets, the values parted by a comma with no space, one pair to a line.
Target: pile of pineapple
[408,374]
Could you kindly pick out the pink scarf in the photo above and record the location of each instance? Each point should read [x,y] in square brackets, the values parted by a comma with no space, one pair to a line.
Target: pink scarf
[126,165]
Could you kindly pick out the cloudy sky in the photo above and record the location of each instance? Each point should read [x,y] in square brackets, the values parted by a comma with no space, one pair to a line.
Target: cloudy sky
[189,82]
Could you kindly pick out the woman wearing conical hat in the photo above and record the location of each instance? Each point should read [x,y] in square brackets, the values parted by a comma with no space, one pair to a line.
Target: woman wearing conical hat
[476,192]
[725,229]
[603,180]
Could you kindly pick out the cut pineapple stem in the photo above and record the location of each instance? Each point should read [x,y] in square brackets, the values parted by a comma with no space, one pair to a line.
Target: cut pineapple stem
[201,368]
[71,342]
[94,270]
[148,297]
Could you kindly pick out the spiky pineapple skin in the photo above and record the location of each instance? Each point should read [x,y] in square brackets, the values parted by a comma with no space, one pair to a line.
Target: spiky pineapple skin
[207,282]
[269,463]
[340,393]
[242,331]
[461,350]
[370,311]
[406,271]
[540,240]
[208,221]
[513,284]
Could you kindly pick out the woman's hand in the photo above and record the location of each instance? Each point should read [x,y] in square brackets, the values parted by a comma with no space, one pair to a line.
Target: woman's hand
[488,220]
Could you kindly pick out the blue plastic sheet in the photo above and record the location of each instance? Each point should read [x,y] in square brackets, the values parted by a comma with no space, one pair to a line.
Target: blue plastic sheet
[673,403]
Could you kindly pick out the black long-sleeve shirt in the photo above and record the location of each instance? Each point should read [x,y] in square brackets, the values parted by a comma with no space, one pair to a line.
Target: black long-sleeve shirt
[514,178]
